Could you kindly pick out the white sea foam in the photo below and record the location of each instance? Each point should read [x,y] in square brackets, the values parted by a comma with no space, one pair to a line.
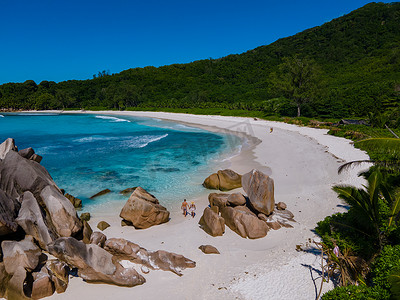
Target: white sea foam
[113,119]
[1,116]
[96,138]
[143,141]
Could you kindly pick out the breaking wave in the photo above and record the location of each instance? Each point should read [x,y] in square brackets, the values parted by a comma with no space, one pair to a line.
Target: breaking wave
[112,119]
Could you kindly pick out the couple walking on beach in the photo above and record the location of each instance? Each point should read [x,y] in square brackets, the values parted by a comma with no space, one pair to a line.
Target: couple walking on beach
[185,207]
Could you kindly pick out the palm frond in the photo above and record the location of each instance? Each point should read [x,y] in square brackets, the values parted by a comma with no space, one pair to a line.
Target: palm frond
[352,164]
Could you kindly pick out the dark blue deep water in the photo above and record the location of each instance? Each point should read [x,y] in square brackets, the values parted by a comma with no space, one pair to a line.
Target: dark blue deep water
[88,153]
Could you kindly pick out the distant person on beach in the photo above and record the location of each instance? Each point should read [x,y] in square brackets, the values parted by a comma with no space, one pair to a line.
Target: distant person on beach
[192,209]
[184,207]
[271,129]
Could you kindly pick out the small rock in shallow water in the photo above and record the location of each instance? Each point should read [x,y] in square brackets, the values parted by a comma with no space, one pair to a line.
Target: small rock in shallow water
[101,193]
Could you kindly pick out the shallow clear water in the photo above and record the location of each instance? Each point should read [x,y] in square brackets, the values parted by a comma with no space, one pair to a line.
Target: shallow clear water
[88,153]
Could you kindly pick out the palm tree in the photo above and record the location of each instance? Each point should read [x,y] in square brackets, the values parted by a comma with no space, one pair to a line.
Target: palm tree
[367,201]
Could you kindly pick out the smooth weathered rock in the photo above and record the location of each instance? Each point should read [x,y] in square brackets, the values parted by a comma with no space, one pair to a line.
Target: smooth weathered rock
[19,175]
[218,199]
[30,218]
[281,205]
[7,146]
[229,180]
[215,209]
[245,223]
[272,223]
[42,285]
[128,191]
[143,210]
[155,260]
[285,214]
[8,212]
[59,274]
[62,212]
[126,223]
[76,202]
[236,199]
[36,158]
[208,249]
[223,180]
[212,223]
[102,225]
[4,279]
[86,233]
[15,287]
[260,190]
[101,193]
[98,238]
[212,182]
[23,254]
[94,264]
[85,217]
[26,153]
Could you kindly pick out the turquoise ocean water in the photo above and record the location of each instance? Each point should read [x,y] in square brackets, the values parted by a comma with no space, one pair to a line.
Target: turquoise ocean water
[86,153]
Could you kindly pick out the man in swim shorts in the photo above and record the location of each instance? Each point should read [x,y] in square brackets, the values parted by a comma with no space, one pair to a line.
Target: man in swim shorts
[184,207]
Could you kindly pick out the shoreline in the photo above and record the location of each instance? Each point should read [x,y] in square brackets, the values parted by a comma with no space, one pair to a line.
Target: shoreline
[303,163]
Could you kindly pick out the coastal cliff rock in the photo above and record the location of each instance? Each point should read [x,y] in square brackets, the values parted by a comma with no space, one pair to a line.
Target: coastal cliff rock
[8,212]
[244,222]
[76,202]
[155,260]
[212,223]
[26,153]
[260,191]
[143,210]
[94,264]
[223,180]
[4,279]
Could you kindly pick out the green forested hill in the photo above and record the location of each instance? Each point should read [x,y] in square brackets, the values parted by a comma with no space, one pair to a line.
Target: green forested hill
[358,56]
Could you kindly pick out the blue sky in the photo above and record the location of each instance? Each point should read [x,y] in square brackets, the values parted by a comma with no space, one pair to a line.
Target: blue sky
[66,39]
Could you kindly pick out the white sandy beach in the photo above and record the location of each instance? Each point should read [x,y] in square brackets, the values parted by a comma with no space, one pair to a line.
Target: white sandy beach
[303,163]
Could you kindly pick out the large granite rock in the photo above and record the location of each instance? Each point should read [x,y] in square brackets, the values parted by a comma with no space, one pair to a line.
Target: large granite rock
[61,211]
[8,212]
[26,153]
[59,272]
[15,287]
[94,264]
[4,279]
[155,260]
[236,199]
[19,175]
[23,254]
[76,202]
[30,218]
[7,146]
[223,180]
[212,223]
[42,285]
[143,210]
[98,238]
[218,199]
[260,191]
[244,222]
